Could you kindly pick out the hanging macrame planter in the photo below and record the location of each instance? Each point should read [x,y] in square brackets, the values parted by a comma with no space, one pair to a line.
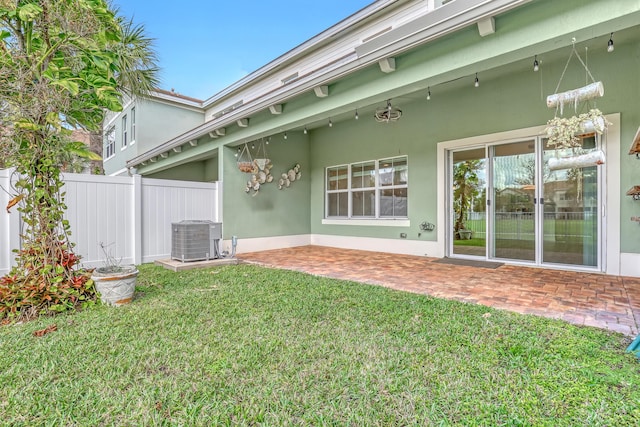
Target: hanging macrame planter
[260,170]
[245,162]
[261,160]
[567,132]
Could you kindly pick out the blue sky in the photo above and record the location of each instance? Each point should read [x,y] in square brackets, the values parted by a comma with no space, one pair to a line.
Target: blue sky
[206,45]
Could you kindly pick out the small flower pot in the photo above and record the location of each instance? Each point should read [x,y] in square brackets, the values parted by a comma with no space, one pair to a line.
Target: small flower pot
[116,286]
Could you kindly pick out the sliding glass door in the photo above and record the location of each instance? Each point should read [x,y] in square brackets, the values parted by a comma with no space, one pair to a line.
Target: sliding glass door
[513,209]
[506,204]
[468,195]
[571,220]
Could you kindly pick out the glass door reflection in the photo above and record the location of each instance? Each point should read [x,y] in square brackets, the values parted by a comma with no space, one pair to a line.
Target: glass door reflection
[570,221]
[513,195]
[469,195]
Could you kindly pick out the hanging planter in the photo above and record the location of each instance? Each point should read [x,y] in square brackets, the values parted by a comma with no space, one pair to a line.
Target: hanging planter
[245,162]
[260,170]
[262,161]
[566,132]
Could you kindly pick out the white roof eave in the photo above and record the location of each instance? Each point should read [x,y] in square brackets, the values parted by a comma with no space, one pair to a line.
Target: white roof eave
[396,41]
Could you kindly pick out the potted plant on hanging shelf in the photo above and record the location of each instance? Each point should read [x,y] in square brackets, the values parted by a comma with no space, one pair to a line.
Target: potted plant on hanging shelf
[115,283]
[567,133]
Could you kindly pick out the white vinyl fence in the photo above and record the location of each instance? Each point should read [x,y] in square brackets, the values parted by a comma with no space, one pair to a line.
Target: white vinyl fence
[132,216]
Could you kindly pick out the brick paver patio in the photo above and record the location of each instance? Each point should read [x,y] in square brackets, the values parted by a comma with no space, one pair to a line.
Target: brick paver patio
[609,302]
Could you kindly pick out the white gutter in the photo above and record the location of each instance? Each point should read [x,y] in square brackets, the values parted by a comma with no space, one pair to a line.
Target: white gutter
[435,25]
[176,99]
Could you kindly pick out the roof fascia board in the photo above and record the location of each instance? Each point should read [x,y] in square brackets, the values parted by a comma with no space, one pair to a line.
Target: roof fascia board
[437,23]
[583,27]
[325,37]
[174,99]
[303,85]
[480,9]
[196,109]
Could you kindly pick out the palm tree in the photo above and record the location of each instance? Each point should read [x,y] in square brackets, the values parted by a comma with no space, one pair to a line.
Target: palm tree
[465,188]
[63,64]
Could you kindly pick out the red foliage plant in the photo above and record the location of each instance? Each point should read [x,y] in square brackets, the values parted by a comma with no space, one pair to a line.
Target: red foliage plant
[27,292]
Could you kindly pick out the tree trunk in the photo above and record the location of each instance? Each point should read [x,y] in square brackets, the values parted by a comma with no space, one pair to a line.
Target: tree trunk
[95,145]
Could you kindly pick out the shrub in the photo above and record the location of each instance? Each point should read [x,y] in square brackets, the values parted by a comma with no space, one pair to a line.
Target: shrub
[28,291]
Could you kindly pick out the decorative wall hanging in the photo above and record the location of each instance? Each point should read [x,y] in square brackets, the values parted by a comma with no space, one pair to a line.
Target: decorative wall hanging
[568,132]
[290,176]
[259,168]
[388,113]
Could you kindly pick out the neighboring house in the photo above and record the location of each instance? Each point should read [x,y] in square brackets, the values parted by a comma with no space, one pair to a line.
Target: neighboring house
[162,116]
[463,75]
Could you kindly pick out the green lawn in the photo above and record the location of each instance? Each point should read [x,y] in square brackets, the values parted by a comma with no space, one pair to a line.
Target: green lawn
[243,345]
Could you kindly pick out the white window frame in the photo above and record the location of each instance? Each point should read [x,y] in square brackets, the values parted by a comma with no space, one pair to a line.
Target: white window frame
[133,126]
[110,142]
[376,219]
[124,132]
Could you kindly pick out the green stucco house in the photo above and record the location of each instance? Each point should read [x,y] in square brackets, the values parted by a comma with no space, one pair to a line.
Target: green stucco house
[419,127]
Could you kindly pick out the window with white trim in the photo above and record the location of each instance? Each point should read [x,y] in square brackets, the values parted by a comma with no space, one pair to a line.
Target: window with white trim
[133,125]
[368,190]
[124,131]
[110,143]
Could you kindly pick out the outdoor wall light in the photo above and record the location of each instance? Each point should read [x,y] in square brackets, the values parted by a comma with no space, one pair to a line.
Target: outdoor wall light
[429,93]
[610,44]
[285,135]
[536,64]
[356,116]
[305,130]
[477,82]
[330,123]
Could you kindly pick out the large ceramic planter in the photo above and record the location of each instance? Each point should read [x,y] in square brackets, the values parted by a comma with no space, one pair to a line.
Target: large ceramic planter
[116,286]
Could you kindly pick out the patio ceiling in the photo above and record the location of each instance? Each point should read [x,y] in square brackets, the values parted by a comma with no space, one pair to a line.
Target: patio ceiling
[411,84]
